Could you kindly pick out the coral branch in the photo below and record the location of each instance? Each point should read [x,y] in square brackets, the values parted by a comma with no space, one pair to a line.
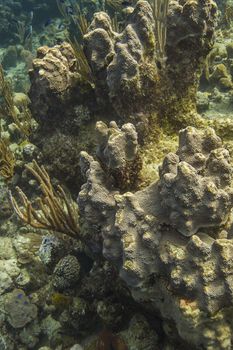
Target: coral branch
[83,66]
[55,210]
[22,120]
[7,161]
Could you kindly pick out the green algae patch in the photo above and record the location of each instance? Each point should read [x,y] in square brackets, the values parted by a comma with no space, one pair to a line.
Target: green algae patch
[61,301]
[153,153]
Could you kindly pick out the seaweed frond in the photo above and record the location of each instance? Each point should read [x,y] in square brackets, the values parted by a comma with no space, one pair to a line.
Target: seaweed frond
[62,9]
[55,210]
[116,26]
[21,31]
[208,63]
[160,12]
[22,120]
[6,96]
[75,15]
[83,67]
[80,20]
[82,23]
[24,34]
[7,161]
[114,4]
[228,13]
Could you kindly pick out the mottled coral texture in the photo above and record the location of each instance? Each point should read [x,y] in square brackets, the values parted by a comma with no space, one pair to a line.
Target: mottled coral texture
[188,279]
[125,64]
[171,242]
[126,68]
[51,77]
[194,184]
[129,84]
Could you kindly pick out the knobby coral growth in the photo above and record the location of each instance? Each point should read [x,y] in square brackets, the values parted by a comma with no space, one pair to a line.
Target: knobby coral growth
[55,210]
[7,161]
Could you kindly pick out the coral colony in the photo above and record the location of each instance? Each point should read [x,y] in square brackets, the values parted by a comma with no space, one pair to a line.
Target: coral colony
[116,175]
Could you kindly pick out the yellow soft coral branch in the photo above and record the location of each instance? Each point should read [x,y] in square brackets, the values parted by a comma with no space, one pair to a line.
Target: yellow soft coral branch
[56,211]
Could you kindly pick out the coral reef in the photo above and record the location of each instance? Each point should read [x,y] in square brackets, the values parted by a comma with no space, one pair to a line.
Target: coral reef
[117,150]
[145,235]
[143,260]
[58,212]
[194,186]
[126,61]
[128,81]
[19,309]
[61,102]
[124,65]
[54,84]
[55,145]
[66,273]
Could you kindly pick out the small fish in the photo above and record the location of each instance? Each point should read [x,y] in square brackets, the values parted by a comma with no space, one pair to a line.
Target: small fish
[69,10]
[158,64]
[61,26]
[16,21]
[28,34]
[31,15]
[48,22]
[37,7]
[109,341]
